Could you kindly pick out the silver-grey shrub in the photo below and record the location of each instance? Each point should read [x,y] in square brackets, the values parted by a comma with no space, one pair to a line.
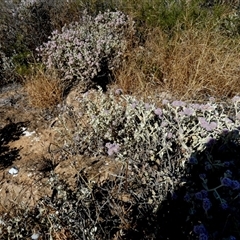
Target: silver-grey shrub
[141,135]
[136,131]
[82,49]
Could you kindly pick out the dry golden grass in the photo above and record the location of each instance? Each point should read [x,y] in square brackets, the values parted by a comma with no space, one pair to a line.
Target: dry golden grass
[43,91]
[191,65]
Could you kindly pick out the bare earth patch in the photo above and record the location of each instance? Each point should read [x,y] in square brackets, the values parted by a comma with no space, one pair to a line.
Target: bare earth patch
[26,144]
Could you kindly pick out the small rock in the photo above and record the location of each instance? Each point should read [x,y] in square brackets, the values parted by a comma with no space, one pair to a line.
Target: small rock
[35,236]
[13,171]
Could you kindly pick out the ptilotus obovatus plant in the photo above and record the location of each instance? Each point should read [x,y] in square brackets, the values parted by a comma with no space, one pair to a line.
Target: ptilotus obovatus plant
[155,145]
[84,49]
[135,131]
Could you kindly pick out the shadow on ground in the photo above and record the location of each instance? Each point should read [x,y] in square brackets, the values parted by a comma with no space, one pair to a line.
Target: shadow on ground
[202,199]
[102,211]
[11,132]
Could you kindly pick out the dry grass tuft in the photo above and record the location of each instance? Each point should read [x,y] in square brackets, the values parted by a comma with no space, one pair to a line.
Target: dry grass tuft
[191,65]
[43,91]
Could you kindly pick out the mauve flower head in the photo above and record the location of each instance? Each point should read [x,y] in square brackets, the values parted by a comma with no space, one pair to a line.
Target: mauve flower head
[199,229]
[208,166]
[108,145]
[188,111]
[207,126]
[164,124]
[118,91]
[203,236]
[236,99]
[212,125]
[169,135]
[134,104]
[112,148]
[195,106]
[206,107]
[147,106]
[178,103]
[202,176]
[227,182]
[235,185]
[187,197]
[158,111]
[206,204]
[202,120]
[198,196]
[193,160]
[226,164]
[204,193]
[224,205]
[164,101]
[212,99]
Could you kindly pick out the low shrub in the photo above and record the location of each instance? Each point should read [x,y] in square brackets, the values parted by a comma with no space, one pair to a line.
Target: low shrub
[26,24]
[135,130]
[177,146]
[84,50]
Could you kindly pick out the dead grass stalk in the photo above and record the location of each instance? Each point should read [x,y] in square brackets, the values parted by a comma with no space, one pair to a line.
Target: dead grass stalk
[191,65]
[43,91]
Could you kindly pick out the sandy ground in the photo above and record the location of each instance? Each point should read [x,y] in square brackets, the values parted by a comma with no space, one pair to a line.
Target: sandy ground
[26,146]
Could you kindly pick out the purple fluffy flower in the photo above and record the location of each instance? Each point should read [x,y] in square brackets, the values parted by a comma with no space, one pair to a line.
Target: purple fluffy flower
[206,204]
[178,103]
[226,164]
[235,99]
[204,193]
[211,99]
[169,135]
[195,106]
[193,160]
[198,196]
[202,176]
[188,111]
[207,126]
[235,185]
[224,205]
[199,229]
[164,101]
[112,148]
[158,111]
[118,91]
[227,182]
[203,236]
[208,166]
[187,197]
[133,105]
[147,106]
